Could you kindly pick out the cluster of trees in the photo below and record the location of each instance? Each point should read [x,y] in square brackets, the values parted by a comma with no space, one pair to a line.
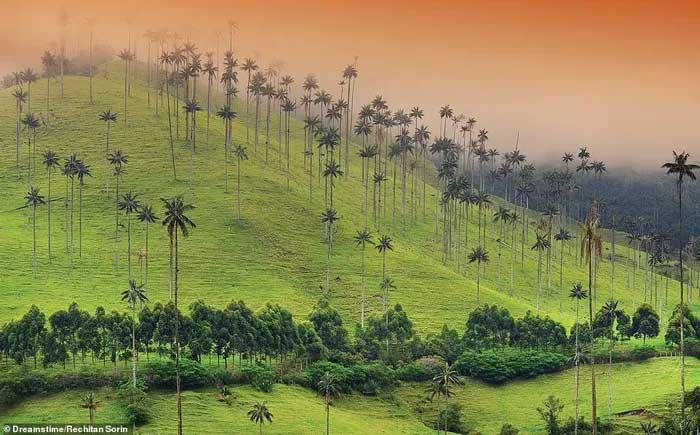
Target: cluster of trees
[272,333]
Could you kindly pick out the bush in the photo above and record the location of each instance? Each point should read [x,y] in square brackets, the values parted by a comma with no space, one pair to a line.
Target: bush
[500,366]
[17,384]
[261,377]
[415,372]
[450,418]
[161,374]
[508,429]
[370,379]
[644,352]
[134,402]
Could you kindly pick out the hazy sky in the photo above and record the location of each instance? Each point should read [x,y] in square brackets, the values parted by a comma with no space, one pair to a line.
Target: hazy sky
[622,77]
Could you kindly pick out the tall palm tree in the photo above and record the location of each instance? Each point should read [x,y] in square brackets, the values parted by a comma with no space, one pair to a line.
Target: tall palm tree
[612,313]
[578,293]
[562,237]
[125,55]
[118,160]
[681,169]
[90,402]
[384,245]
[249,66]
[210,70]
[31,122]
[129,205]
[328,218]
[540,245]
[109,118]
[362,239]
[48,60]
[134,295]
[20,98]
[259,414]
[441,386]
[81,171]
[147,216]
[479,256]
[51,163]
[166,60]
[591,248]
[328,387]
[176,221]
[227,115]
[241,155]
[29,76]
[34,199]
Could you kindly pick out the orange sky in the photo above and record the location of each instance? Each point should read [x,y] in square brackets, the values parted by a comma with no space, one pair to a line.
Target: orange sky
[619,76]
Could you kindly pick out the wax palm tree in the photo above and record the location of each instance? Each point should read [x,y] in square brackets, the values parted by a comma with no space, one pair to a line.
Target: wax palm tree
[20,98]
[649,428]
[176,221]
[441,386]
[256,88]
[134,295]
[577,293]
[259,414]
[29,76]
[129,205]
[147,216]
[125,56]
[118,160]
[479,256]
[166,60]
[227,115]
[34,199]
[502,216]
[90,402]
[48,60]
[591,248]
[362,239]
[567,158]
[249,66]
[328,387]
[562,237]
[541,244]
[69,171]
[331,172]
[682,170]
[210,70]
[109,118]
[328,218]
[81,171]
[612,313]
[51,162]
[241,156]
[31,122]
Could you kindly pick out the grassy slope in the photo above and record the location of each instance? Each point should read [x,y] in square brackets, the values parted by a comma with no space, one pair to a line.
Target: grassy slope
[277,254]
[295,410]
[652,385]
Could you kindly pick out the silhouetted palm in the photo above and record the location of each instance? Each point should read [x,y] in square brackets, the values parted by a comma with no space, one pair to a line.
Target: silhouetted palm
[34,199]
[129,205]
[259,414]
[147,216]
[329,387]
[682,170]
[51,163]
[134,295]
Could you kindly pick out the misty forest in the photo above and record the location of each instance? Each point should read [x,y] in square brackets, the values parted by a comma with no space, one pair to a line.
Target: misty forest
[196,241]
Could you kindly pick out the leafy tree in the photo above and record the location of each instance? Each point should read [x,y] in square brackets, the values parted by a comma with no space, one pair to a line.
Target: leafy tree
[645,322]
[549,412]
[329,326]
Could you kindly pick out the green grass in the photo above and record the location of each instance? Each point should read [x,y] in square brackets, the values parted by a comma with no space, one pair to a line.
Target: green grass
[295,410]
[276,254]
[652,386]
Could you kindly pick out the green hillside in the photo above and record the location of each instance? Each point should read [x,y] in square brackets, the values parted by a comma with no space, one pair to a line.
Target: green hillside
[276,254]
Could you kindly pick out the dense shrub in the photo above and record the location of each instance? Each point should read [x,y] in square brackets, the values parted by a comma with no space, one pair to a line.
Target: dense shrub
[644,352]
[637,353]
[15,384]
[134,401]
[370,379]
[500,366]
[423,369]
[261,377]
[161,374]
[450,419]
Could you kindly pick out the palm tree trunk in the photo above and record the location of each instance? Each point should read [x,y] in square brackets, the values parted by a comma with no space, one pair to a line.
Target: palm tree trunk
[680,260]
[594,403]
[576,355]
[177,345]
[34,235]
[49,204]
[170,124]
[128,243]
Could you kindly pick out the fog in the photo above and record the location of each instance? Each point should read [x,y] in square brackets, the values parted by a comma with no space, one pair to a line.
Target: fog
[619,78]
